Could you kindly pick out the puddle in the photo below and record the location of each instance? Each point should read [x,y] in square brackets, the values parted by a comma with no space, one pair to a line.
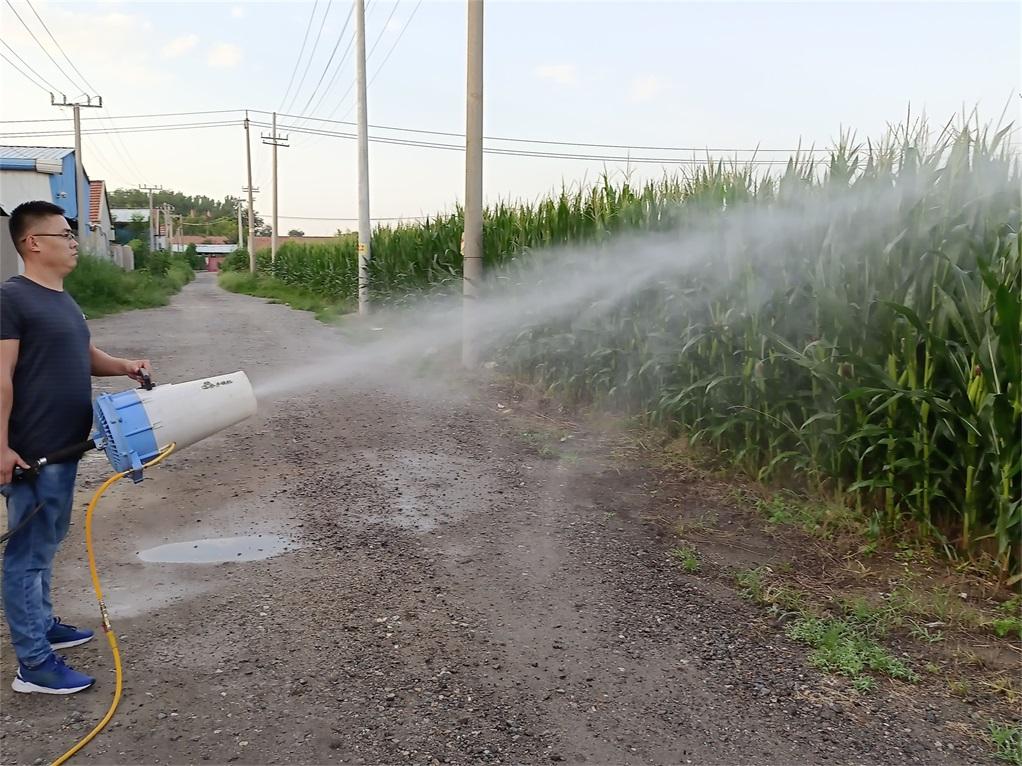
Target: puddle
[218,550]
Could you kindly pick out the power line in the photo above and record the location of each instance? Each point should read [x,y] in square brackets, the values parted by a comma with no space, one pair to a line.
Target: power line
[102,158]
[351,85]
[372,50]
[88,85]
[136,129]
[383,30]
[333,53]
[133,116]
[421,144]
[43,47]
[23,73]
[300,53]
[396,41]
[434,144]
[319,34]
[127,156]
[524,153]
[450,134]
[337,69]
[379,37]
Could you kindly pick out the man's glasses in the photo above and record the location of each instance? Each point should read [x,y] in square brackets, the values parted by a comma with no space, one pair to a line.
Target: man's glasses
[65,234]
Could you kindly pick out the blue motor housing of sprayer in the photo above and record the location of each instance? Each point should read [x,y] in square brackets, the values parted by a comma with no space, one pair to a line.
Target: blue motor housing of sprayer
[134,427]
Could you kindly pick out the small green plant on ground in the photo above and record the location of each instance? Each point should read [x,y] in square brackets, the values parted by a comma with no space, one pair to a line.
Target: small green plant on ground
[815,517]
[1010,624]
[1007,742]
[845,644]
[841,646]
[687,557]
[779,599]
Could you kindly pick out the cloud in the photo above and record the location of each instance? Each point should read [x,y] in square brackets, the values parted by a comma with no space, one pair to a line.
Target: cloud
[562,74]
[180,45]
[238,12]
[647,87]
[224,55]
[99,42]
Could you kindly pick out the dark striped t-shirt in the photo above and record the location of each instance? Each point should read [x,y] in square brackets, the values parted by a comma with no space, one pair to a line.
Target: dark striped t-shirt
[53,377]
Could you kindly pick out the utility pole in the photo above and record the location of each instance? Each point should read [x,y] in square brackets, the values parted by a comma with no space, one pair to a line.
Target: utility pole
[251,204]
[472,244]
[168,222]
[81,192]
[152,231]
[179,230]
[241,239]
[251,222]
[364,233]
[274,140]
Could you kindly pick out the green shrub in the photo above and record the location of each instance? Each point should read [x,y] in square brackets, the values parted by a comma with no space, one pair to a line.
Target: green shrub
[100,287]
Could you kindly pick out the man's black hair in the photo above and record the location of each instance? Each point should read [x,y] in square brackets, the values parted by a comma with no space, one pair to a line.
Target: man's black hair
[28,213]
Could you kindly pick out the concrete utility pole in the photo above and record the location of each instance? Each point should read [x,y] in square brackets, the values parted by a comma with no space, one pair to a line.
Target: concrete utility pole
[251,204]
[241,239]
[168,222]
[152,214]
[81,190]
[179,230]
[472,246]
[274,140]
[364,232]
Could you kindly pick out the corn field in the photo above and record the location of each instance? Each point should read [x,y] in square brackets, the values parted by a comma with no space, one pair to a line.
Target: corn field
[879,362]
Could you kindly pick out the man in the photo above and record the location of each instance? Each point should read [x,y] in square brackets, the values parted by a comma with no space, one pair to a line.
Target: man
[46,360]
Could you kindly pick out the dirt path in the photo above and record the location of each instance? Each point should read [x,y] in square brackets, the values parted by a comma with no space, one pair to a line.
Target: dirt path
[450,597]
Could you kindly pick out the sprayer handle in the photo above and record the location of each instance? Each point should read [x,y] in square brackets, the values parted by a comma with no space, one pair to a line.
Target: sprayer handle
[147,381]
[24,473]
[72,452]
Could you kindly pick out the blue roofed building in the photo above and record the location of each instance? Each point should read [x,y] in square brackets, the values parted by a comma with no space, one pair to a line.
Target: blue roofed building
[48,173]
[39,172]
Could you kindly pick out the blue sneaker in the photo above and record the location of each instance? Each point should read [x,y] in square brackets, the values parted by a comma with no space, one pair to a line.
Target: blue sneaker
[52,677]
[64,636]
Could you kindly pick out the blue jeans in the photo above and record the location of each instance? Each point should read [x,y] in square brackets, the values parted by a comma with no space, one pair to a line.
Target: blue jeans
[28,558]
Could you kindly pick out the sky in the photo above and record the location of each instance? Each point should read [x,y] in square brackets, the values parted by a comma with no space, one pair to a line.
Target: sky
[690,79]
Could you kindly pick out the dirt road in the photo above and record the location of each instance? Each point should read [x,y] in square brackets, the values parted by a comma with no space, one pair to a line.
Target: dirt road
[448,596]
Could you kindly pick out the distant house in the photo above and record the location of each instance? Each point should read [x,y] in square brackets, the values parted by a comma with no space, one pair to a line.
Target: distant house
[123,217]
[100,236]
[213,249]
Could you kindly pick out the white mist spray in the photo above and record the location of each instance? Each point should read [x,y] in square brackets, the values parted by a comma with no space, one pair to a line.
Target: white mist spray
[585,282]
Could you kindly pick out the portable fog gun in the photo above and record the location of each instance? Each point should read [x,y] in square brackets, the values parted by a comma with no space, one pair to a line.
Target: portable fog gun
[137,426]
[137,429]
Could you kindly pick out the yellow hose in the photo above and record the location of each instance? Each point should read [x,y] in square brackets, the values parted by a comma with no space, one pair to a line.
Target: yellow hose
[110,637]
